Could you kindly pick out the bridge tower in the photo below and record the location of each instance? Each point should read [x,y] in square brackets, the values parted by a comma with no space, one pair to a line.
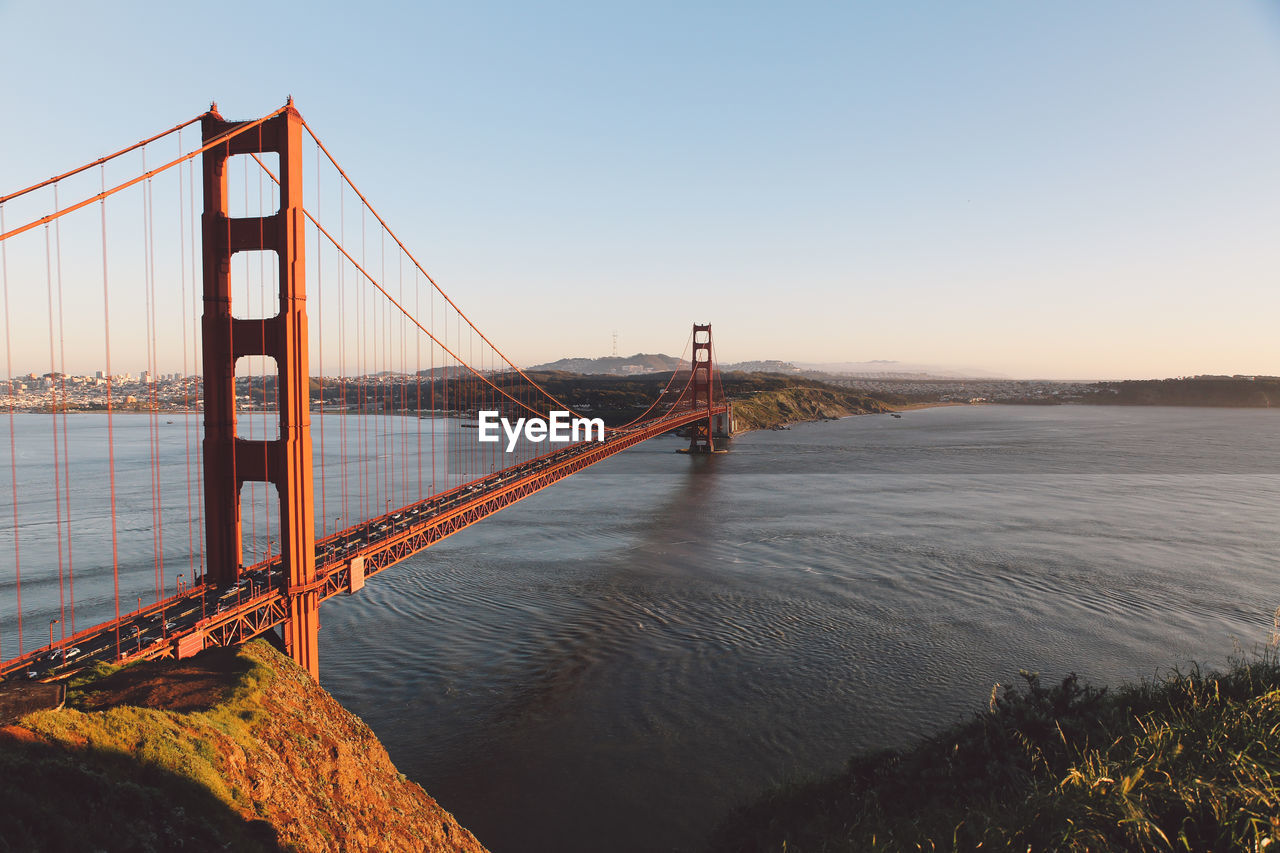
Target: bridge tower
[701,437]
[285,461]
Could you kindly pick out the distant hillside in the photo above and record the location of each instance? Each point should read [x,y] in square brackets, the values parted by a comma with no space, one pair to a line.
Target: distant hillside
[614,365]
[887,369]
[640,363]
[769,366]
[1245,391]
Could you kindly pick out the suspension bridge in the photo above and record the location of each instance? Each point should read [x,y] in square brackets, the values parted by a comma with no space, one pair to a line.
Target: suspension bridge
[356,401]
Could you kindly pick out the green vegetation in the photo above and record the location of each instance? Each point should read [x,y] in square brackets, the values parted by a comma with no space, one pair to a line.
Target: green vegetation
[127,778]
[1243,391]
[1190,762]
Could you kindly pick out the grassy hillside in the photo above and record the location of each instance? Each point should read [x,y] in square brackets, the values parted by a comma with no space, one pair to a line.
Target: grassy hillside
[226,751]
[1188,763]
[765,409]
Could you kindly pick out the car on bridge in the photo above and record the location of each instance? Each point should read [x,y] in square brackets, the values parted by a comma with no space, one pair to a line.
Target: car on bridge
[63,654]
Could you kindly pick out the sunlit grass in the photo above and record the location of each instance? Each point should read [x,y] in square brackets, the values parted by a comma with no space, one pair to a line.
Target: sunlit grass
[131,777]
[1186,762]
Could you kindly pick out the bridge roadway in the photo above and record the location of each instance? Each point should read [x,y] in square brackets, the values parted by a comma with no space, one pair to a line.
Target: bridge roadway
[183,624]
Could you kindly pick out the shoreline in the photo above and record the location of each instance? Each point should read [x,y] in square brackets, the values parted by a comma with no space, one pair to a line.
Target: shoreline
[890,408]
[907,407]
[1104,767]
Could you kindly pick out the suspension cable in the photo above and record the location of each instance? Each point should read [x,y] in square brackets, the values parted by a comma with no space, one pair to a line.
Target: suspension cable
[102,160]
[674,373]
[225,136]
[360,268]
[411,257]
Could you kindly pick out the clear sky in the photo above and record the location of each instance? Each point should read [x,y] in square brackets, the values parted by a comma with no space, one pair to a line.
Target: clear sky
[1084,189]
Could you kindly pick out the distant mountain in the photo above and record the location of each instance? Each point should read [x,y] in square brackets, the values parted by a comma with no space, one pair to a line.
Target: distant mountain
[769,366]
[885,369]
[646,363]
[642,363]
[614,365]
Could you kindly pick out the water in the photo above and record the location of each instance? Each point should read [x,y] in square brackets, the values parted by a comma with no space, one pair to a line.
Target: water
[74,522]
[615,662]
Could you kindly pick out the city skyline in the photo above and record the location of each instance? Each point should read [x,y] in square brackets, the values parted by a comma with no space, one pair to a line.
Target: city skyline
[1025,191]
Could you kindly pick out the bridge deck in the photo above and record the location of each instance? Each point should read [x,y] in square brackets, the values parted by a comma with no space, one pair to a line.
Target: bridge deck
[183,624]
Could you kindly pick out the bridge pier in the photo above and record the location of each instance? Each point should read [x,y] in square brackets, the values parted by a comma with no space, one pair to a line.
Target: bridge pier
[230,462]
[722,425]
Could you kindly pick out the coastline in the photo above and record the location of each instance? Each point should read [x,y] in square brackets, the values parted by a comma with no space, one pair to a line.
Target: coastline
[1181,759]
[907,407]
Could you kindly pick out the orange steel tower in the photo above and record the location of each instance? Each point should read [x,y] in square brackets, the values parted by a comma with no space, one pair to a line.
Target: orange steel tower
[230,462]
[700,432]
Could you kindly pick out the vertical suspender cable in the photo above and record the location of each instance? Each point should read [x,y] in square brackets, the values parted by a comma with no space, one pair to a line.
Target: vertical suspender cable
[417,378]
[472,445]
[401,378]
[195,357]
[380,357]
[186,398]
[111,439]
[464,400]
[231,348]
[403,406]
[343,439]
[380,389]
[319,368]
[151,423]
[362,382]
[393,428]
[57,461]
[155,369]
[432,374]
[262,362]
[253,487]
[13,447]
[66,453]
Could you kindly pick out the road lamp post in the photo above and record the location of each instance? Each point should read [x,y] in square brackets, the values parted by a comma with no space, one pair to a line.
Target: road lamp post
[52,622]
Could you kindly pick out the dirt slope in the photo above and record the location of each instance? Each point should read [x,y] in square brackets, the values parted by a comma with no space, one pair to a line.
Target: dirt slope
[230,750]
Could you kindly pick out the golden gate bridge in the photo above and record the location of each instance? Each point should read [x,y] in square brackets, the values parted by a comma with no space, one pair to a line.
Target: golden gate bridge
[393,370]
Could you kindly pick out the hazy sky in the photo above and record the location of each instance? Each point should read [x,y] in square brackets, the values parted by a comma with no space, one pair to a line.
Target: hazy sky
[1085,189]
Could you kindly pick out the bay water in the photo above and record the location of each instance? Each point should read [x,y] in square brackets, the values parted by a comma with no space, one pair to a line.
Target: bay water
[617,661]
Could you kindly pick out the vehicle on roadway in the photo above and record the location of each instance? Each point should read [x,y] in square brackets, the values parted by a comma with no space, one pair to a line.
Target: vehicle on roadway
[63,654]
